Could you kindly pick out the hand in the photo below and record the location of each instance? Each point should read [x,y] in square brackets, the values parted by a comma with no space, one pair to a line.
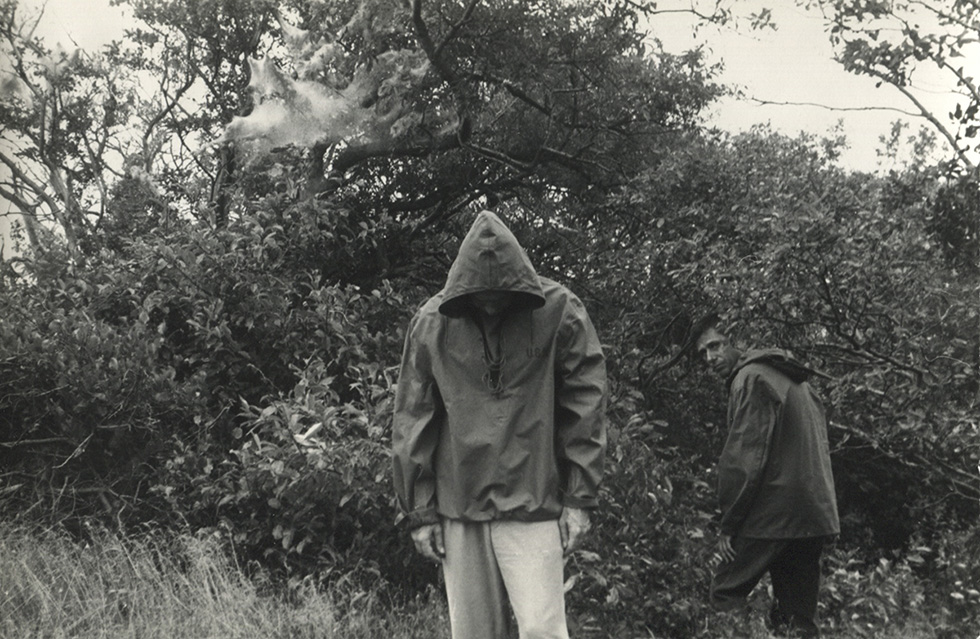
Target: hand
[428,541]
[573,524]
[725,549]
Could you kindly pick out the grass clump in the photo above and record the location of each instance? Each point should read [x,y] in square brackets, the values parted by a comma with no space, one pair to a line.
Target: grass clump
[113,587]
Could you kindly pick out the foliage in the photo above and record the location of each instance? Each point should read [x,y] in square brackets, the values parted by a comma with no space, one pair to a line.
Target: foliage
[305,490]
[647,566]
[896,41]
[107,369]
[801,255]
[198,53]
[865,599]
[61,114]
[425,108]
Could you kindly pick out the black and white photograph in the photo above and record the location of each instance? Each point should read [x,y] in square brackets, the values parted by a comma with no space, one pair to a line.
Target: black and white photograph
[489,319]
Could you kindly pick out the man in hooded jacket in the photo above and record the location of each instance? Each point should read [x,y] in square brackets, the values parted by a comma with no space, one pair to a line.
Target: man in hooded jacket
[775,484]
[499,436]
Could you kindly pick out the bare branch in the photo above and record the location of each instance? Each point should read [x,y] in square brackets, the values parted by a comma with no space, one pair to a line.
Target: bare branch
[169,108]
[24,207]
[36,188]
[972,89]
[928,115]
[37,442]
[456,27]
[515,91]
[425,41]
[354,155]
[833,108]
[497,156]
[942,15]
[960,479]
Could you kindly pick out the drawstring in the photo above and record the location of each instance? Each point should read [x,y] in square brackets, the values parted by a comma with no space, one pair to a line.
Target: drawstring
[493,377]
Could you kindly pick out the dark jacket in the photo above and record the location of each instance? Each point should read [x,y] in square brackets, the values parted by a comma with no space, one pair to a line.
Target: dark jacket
[774,474]
[519,442]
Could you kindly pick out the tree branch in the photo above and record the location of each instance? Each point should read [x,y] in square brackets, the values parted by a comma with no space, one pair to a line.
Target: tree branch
[515,91]
[500,157]
[928,115]
[353,155]
[962,480]
[833,108]
[456,27]
[170,106]
[431,51]
[37,189]
[37,442]
[24,207]
[972,89]
[942,15]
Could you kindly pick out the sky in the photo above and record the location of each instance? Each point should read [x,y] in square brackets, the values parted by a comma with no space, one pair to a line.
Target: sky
[791,64]
[794,67]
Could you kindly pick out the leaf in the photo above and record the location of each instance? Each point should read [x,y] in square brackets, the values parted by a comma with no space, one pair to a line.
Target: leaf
[570,583]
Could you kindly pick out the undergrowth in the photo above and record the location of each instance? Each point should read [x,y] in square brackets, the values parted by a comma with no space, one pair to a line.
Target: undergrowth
[150,587]
[153,586]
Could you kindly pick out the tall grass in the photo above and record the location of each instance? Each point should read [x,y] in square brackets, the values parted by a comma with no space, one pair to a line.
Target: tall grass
[52,587]
[150,587]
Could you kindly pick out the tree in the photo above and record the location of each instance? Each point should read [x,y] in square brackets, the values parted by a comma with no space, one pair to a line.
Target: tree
[61,115]
[429,107]
[844,269]
[180,321]
[145,113]
[197,54]
[895,41]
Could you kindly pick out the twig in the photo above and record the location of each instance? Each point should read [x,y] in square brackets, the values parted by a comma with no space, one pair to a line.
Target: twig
[911,114]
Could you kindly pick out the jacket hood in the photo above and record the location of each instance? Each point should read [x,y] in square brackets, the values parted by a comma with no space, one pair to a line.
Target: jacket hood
[490,259]
[781,360]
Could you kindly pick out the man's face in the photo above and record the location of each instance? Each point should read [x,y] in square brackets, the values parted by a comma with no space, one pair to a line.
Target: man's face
[716,351]
[491,303]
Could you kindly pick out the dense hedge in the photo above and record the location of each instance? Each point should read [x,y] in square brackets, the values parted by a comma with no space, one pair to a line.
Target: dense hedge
[240,380]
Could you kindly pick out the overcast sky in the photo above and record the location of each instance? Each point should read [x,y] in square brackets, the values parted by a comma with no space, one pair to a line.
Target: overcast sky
[794,64]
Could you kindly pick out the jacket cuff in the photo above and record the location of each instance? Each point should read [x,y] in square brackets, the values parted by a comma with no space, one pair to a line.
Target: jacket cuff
[580,502]
[729,529]
[417,518]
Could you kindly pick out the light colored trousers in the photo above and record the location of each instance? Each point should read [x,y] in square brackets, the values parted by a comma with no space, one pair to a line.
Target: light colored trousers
[488,564]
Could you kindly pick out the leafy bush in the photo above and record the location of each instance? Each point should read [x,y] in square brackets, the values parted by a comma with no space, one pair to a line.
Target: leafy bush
[306,489]
[865,599]
[950,571]
[85,398]
[113,367]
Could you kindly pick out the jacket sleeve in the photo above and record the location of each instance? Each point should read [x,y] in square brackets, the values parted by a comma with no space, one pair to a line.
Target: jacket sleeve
[418,414]
[753,410]
[580,408]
